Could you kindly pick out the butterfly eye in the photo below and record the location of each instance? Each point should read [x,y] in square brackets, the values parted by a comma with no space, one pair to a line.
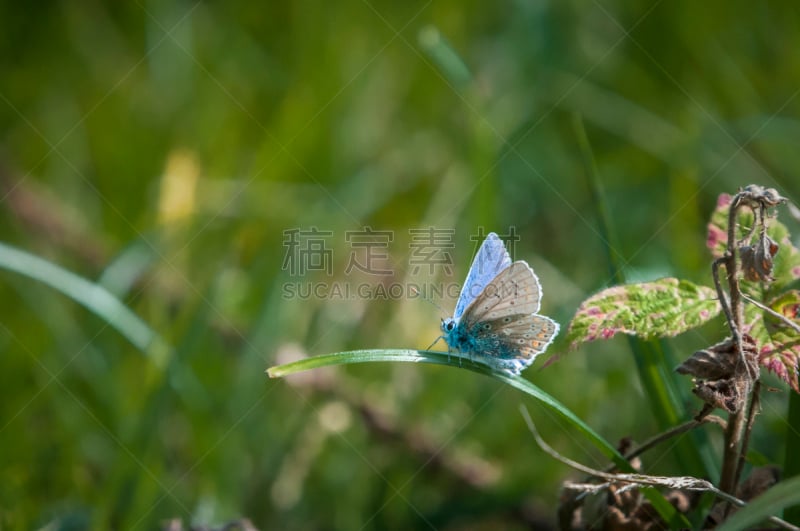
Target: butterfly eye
[449,325]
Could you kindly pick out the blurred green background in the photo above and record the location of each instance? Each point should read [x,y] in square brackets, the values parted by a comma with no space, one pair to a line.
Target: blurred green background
[164,149]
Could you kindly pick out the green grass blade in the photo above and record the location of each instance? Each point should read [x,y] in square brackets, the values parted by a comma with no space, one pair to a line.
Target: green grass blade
[791,464]
[443,358]
[356,356]
[770,503]
[121,274]
[444,56]
[93,297]
[598,199]
[652,363]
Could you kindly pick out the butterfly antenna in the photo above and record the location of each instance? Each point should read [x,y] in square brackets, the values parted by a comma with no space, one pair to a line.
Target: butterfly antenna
[426,299]
[429,301]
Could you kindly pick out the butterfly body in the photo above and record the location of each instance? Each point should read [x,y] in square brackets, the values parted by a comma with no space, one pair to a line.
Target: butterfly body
[496,320]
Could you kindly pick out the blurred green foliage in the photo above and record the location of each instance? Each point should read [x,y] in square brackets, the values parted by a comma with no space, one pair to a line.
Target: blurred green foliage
[162,149]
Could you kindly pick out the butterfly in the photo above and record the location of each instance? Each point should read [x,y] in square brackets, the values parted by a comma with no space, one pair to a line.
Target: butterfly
[496,320]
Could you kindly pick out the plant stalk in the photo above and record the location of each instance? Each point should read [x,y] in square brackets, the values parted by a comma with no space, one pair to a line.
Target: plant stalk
[733,434]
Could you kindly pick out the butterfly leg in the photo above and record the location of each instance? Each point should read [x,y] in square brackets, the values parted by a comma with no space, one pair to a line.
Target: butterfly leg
[449,350]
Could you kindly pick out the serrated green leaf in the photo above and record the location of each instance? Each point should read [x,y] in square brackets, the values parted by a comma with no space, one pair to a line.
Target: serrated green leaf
[778,344]
[754,324]
[787,261]
[717,240]
[665,307]
[780,352]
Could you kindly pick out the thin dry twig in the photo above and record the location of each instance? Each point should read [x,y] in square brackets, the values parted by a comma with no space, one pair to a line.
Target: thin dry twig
[677,430]
[773,313]
[756,199]
[673,482]
[723,297]
[751,419]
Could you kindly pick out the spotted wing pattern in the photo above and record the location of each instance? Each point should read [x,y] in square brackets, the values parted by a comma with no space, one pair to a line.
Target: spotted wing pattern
[502,325]
[512,342]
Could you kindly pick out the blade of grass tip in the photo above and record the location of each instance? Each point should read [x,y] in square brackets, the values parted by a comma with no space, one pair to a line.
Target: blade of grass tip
[127,267]
[663,507]
[770,503]
[482,137]
[444,56]
[791,459]
[663,394]
[93,297]
[598,200]
[443,358]
[356,356]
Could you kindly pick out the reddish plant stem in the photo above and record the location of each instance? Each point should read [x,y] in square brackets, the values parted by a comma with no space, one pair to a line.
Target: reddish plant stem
[733,433]
[751,418]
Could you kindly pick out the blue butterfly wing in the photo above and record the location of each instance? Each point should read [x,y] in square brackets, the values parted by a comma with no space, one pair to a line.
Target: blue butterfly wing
[492,258]
[512,343]
[502,324]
